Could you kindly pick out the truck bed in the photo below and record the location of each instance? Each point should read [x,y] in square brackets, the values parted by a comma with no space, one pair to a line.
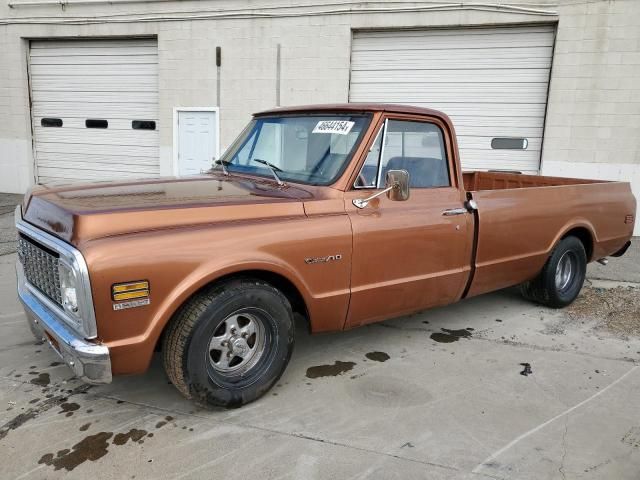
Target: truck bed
[521,217]
[475,181]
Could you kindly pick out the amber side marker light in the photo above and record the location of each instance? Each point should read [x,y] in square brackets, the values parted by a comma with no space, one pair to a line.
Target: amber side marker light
[130,290]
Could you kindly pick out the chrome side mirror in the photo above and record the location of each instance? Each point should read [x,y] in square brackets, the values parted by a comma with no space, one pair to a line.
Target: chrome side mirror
[399,180]
[396,188]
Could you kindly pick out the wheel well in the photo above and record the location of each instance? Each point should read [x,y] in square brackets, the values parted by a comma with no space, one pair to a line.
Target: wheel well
[584,236]
[280,282]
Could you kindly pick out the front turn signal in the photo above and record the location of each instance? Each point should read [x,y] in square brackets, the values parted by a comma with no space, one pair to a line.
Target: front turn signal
[130,290]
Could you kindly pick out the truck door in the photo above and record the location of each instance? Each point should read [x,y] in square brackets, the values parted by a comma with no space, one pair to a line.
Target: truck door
[414,254]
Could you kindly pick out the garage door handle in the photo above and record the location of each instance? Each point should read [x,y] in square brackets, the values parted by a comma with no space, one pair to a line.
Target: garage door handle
[454,211]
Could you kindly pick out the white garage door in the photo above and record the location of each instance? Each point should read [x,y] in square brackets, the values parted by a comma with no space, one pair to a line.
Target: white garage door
[492,82]
[95,109]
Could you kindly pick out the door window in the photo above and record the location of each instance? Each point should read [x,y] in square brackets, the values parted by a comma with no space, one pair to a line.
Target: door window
[417,147]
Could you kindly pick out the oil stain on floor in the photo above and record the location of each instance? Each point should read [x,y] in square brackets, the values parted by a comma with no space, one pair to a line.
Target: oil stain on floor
[91,448]
[135,435]
[68,408]
[450,336]
[41,380]
[377,356]
[334,370]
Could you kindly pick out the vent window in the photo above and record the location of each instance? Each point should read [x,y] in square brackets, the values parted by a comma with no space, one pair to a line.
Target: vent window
[51,122]
[96,123]
[509,143]
[143,125]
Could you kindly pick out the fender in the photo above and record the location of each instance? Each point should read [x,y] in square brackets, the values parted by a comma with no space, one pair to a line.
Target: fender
[572,225]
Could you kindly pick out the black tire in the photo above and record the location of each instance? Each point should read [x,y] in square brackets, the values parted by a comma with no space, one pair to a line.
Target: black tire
[545,289]
[206,320]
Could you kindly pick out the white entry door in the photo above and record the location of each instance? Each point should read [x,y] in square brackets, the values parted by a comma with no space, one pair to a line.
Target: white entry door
[197,141]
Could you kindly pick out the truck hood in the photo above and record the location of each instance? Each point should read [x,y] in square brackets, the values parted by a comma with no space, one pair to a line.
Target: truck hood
[78,213]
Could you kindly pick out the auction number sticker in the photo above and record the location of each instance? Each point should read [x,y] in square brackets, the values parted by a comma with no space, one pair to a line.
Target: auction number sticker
[341,127]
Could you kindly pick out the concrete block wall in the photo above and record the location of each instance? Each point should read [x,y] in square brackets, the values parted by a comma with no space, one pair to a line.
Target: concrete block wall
[593,115]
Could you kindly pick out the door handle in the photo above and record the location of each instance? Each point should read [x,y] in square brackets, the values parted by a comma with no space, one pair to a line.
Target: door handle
[454,211]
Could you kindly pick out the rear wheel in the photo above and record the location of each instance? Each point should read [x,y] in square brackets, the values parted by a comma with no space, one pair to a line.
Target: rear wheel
[561,278]
[229,344]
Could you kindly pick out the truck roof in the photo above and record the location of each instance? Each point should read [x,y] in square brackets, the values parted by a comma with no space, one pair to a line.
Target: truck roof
[356,107]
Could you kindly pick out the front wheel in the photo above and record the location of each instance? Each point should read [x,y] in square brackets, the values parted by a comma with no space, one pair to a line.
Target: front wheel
[229,344]
[561,278]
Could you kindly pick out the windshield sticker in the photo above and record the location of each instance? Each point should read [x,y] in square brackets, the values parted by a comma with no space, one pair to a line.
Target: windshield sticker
[341,127]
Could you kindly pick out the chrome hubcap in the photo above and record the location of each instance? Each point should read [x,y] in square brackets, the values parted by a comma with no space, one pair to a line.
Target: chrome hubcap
[237,344]
[564,271]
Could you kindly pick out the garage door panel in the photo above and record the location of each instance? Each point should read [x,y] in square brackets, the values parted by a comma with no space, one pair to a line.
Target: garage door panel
[411,40]
[83,167]
[461,75]
[492,82]
[470,109]
[113,96]
[71,124]
[473,63]
[94,43]
[147,111]
[107,50]
[464,92]
[72,83]
[93,70]
[95,60]
[77,80]
[89,148]
[76,176]
[471,142]
[96,136]
[52,159]
[489,131]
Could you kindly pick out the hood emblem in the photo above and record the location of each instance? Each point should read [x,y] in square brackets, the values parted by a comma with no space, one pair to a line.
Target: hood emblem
[328,258]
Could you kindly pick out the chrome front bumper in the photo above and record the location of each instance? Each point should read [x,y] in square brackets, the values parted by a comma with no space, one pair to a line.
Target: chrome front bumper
[89,361]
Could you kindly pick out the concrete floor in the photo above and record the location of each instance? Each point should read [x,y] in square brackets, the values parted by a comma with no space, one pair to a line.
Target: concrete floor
[431,411]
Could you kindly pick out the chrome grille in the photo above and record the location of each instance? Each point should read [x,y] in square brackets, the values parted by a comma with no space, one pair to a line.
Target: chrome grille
[40,267]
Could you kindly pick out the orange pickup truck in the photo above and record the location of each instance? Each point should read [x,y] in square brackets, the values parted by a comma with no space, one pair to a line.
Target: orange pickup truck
[345,214]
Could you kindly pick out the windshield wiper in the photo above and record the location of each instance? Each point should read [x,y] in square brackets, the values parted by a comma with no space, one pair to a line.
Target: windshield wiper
[223,164]
[274,169]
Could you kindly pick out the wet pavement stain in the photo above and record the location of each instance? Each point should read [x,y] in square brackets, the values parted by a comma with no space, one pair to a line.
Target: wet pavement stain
[377,356]
[450,336]
[166,420]
[334,370]
[55,364]
[69,408]
[90,448]
[85,427]
[134,435]
[31,413]
[42,380]
[526,370]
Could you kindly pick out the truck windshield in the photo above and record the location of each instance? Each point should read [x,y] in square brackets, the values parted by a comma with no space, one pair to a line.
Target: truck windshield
[311,149]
